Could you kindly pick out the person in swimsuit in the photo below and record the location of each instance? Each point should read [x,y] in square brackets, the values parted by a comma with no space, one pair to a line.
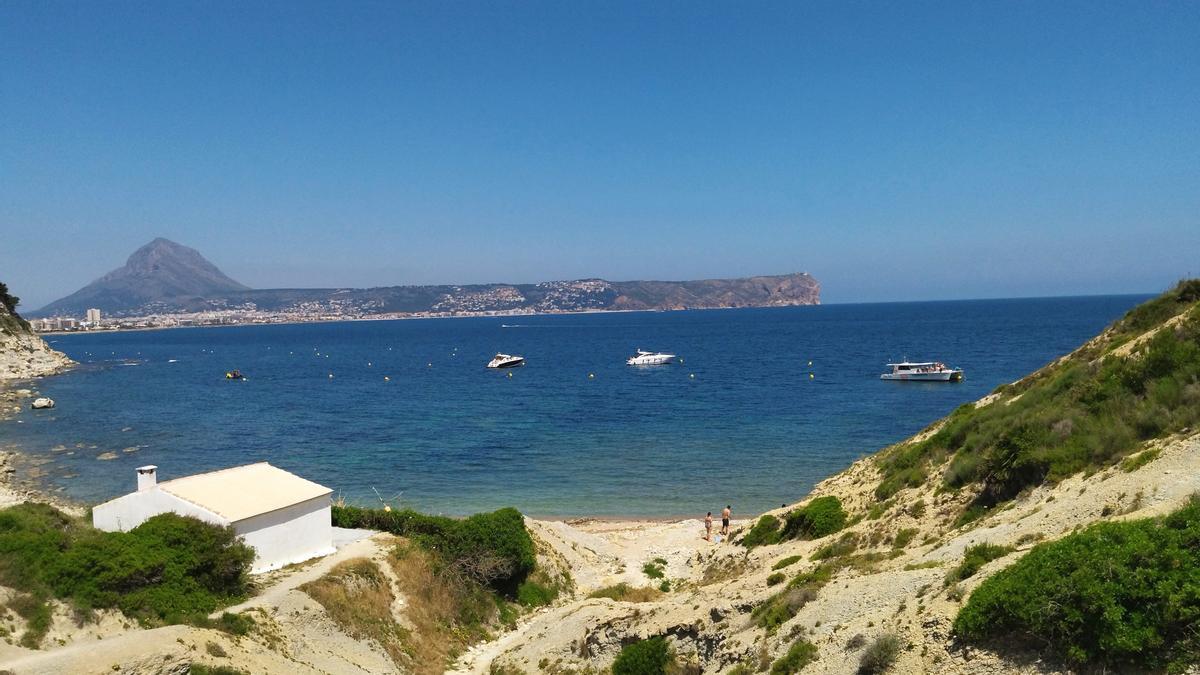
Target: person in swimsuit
[725,519]
[708,527]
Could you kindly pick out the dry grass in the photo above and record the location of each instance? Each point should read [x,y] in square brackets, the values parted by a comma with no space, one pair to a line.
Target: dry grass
[447,613]
[724,569]
[626,593]
[358,597]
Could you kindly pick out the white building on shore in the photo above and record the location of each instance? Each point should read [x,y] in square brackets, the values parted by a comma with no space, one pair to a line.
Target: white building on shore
[285,518]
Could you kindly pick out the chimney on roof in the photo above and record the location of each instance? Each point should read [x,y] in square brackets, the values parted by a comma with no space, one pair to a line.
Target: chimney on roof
[147,477]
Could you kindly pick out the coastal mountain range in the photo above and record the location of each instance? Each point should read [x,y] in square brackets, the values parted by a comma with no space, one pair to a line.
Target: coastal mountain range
[164,277]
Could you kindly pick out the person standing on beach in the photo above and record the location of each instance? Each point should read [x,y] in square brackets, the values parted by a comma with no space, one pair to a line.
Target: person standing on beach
[708,527]
[725,519]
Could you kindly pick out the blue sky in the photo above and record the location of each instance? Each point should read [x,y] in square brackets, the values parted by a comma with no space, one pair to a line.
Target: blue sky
[894,150]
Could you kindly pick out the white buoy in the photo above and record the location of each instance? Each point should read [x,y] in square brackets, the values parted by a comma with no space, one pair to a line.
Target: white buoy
[428,365]
[386,378]
[811,376]
[692,376]
[591,376]
[331,376]
[510,374]
[810,363]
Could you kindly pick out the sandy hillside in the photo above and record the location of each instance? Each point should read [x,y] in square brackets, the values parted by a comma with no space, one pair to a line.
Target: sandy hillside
[707,616]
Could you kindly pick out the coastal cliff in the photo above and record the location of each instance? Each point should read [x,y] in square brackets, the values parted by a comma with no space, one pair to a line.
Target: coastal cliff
[22,353]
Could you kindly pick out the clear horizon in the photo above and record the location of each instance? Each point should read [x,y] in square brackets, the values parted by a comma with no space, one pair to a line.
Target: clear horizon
[920,152]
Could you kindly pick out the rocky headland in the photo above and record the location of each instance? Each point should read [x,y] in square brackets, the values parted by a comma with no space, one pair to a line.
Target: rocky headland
[164,277]
[24,355]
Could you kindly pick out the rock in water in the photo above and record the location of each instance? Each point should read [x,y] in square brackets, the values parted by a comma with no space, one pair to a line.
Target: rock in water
[42,402]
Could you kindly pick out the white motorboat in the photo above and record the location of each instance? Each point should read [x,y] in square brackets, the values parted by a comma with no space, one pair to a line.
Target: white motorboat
[645,358]
[506,361]
[924,371]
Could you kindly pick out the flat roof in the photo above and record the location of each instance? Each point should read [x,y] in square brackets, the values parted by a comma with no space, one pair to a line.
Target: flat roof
[242,492]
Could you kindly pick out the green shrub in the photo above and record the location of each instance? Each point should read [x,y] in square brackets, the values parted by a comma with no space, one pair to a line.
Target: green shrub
[776,578]
[844,546]
[880,655]
[779,608]
[169,569]
[234,624]
[790,560]
[904,537]
[764,533]
[975,557]
[8,300]
[653,569]
[819,518]
[493,549]
[645,657]
[800,654]
[1114,594]
[533,594]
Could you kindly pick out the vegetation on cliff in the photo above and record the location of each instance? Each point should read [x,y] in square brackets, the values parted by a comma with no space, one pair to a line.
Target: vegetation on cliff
[10,322]
[460,578]
[1115,594]
[492,549]
[170,569]
[818,518]
[1086,411]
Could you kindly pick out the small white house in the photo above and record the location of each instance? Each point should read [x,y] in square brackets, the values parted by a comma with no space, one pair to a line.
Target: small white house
[283,516]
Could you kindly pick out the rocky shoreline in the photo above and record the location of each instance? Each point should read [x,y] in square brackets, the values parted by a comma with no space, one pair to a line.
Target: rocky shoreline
[24,357]
[18,472]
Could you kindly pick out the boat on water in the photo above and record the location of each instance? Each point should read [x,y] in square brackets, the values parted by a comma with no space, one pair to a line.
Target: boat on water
[922,371]
[645,358]
[234,375]
[506,361]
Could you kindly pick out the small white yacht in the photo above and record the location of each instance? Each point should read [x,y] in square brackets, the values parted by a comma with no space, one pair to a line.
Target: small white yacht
[925,371]
[645,358]
[506,361]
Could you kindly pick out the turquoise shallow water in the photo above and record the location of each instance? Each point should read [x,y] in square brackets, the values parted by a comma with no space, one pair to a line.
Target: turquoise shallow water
[750,428]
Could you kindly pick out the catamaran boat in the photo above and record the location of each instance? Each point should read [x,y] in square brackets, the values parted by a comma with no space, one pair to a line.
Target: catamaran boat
[928,371]
[506,361]
[645,358]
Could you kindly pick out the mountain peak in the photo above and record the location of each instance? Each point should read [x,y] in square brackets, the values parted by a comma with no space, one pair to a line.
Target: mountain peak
[159,270]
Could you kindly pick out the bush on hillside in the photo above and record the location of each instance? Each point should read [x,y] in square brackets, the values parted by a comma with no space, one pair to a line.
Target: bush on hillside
[764,533]
[492,549]
[880,656]
[1114,594]
[819,518]
[644,657]
[975,557]
[533,594]
[1088,411]
[800,654]
[169,569]
[7,299]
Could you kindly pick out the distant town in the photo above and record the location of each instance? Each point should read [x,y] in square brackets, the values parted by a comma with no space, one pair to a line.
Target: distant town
[95,320]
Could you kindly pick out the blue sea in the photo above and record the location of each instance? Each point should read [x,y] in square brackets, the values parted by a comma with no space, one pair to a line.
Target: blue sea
[764,404]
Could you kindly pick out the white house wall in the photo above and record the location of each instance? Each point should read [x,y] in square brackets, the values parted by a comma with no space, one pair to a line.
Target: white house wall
[125,513]
[289,535]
